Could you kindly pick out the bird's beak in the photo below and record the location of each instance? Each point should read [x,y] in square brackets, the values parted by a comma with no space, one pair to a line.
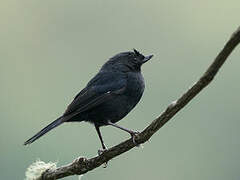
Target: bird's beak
[147,58]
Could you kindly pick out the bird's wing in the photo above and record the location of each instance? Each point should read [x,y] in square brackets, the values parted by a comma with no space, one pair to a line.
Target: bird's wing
[100,89]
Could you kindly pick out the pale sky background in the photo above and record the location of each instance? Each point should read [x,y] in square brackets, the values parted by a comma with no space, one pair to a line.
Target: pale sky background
[50,50]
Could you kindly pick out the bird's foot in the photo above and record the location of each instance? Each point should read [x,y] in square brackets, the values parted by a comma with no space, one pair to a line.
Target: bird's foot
[134,135]
[100,151]
[105,164]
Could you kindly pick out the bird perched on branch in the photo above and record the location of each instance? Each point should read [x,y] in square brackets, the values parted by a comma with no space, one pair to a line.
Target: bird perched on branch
[108,97]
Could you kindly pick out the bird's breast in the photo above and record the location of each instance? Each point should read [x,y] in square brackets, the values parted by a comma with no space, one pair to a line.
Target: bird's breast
[120,104]
[135,84]
[135,88]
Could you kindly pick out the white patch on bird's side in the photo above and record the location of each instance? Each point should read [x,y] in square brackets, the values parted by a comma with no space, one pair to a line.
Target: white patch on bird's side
[36,169]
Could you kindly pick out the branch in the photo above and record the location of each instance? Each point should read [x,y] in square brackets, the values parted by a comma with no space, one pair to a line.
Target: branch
[82,165]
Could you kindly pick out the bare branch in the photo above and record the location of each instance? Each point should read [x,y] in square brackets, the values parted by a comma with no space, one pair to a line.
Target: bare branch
[83,165]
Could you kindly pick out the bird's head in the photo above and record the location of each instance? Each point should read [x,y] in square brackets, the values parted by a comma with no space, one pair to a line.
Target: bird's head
[126,61]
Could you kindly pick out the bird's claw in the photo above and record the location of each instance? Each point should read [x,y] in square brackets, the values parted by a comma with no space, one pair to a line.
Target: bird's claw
[100,151]
[105,165]
[134,135]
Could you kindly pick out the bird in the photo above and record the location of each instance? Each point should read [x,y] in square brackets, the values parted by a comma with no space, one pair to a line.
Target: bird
[108,97]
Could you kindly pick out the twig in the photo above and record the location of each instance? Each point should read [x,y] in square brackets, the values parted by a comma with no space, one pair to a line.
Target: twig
[83,165]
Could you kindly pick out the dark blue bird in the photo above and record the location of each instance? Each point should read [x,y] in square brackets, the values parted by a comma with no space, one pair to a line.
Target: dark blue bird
[108,97]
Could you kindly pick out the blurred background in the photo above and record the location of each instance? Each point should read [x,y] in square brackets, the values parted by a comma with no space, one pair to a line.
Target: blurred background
[50,50]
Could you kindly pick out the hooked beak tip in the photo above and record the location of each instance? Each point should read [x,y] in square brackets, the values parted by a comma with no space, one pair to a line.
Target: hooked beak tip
[147,58]
[150,56]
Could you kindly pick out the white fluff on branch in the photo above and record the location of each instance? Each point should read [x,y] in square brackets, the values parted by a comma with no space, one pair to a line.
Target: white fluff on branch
[36,169]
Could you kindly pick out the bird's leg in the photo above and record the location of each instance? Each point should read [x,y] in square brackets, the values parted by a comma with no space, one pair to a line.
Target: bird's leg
[100,151]
[131,132]
[101,139]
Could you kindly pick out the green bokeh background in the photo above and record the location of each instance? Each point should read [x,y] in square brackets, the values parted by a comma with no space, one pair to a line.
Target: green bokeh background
[50,49]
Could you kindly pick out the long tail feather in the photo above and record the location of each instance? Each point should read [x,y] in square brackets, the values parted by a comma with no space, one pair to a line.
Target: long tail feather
[54,124]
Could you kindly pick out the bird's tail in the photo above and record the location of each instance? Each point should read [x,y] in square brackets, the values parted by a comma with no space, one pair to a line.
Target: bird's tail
[54,124]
